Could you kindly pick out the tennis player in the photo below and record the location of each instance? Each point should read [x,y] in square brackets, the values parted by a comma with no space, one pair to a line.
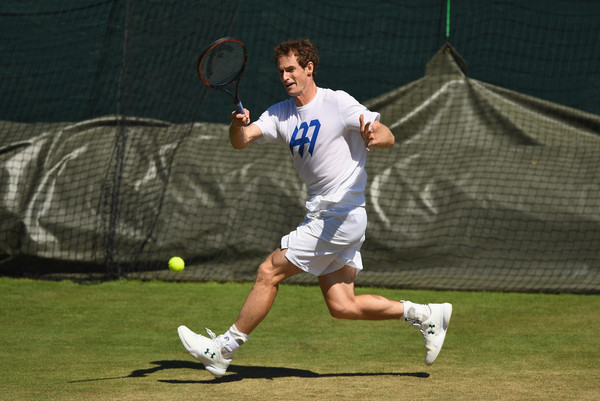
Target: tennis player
[328,134]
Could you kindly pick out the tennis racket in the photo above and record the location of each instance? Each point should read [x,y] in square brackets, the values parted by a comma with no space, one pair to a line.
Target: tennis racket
[221,64]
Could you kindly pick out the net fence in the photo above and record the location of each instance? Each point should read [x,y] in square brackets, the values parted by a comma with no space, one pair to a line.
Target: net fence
[115,157]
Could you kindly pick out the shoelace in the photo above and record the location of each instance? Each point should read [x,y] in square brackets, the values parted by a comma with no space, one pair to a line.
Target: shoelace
[214,337]
[423,328]
[414,323]
[415,319]
[225,351]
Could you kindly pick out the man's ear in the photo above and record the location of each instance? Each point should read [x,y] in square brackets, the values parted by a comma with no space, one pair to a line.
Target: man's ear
[310,68]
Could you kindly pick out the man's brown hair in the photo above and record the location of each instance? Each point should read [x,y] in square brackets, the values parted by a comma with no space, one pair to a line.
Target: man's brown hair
[304,50]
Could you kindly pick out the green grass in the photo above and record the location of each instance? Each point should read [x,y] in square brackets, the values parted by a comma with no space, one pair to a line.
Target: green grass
[118,341]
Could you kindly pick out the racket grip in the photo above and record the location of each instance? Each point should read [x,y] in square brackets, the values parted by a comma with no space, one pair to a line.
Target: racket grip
[239,108]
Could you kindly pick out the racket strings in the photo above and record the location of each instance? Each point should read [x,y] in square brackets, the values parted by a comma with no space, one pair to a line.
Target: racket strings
[223,63]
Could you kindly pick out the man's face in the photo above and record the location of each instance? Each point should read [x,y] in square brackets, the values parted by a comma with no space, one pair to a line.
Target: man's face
[294,78]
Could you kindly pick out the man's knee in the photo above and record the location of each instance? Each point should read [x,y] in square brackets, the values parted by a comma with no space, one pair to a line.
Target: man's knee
[340,310]
[338,291]
[267,273]
[274,269]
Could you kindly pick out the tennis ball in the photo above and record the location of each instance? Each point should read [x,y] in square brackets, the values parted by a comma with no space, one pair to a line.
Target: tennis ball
[176,264]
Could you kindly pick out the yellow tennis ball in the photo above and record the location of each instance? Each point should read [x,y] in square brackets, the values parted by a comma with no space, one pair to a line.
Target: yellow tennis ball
[176,264]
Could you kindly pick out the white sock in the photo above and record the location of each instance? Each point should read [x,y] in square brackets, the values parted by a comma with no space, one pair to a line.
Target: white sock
[420,312]
[234,338]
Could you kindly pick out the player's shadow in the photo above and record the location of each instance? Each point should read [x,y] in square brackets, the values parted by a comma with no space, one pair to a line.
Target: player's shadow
[238,372]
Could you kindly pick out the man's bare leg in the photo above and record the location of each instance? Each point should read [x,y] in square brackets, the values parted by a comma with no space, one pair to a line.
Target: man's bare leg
[432,320]
[271,272]
[338,290]
[216,353]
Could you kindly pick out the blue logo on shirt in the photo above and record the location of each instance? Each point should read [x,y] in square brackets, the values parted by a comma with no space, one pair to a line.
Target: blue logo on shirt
[303,130]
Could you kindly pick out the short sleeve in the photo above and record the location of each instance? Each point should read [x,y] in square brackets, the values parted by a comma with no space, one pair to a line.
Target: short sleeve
[267,123]
[351,109]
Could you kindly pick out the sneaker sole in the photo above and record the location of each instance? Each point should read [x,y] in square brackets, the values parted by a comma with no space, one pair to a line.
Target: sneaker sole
[216,372]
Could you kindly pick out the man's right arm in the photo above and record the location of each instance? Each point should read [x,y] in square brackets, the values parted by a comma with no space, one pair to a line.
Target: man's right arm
[241,135]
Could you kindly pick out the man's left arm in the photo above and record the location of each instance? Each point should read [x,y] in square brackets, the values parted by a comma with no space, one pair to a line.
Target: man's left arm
[375,134]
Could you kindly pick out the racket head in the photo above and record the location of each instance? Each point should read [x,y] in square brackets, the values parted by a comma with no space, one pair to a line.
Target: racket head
[222,62]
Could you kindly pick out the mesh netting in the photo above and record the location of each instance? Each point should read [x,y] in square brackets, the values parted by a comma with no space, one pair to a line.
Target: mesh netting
[114,156]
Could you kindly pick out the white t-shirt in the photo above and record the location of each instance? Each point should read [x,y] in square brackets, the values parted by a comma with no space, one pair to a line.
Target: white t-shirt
[324,139]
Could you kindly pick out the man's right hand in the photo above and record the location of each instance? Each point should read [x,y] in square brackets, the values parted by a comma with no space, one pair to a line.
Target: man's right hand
[241,132]
[240,120]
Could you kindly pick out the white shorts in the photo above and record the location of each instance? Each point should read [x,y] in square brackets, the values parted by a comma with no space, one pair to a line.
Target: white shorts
[326,241]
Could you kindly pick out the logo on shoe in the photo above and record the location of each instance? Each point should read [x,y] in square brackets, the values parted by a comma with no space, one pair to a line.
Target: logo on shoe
[430,331]
[212,355]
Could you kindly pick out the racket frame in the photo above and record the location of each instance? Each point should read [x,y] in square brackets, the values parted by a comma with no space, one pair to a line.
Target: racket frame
[236,79]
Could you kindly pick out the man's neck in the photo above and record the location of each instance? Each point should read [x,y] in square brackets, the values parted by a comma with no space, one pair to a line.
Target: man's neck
[306,96]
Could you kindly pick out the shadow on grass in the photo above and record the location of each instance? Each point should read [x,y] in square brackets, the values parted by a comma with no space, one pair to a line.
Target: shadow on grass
[238,372]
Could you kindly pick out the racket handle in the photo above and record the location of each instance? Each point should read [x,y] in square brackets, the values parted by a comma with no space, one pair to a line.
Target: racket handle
[239,108]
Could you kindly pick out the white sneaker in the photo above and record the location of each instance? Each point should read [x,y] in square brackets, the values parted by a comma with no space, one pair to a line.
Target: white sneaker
[432,326]
[210,351]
